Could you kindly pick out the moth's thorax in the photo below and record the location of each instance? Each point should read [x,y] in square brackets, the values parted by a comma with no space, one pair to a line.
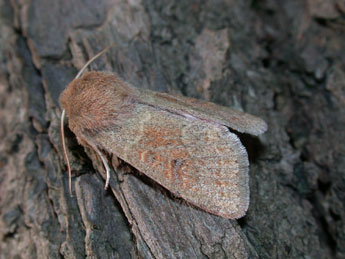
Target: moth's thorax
[96,101]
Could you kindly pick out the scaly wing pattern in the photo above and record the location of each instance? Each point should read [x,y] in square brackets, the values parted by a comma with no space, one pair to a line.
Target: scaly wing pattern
[240,121]
[200,161]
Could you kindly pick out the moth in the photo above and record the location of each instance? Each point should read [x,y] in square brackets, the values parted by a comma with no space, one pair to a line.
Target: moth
[184,144]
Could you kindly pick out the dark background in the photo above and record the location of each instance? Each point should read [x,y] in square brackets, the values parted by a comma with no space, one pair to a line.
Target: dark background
[280,60]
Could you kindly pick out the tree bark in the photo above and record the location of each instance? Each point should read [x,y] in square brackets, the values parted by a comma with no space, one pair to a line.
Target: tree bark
[280,60]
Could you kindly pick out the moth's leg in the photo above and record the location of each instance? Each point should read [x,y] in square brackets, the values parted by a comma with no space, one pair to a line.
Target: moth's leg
[106,166]
[86,141]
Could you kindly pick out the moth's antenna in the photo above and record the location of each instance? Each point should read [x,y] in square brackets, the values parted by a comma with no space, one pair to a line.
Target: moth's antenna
[92,59]
[62,132]
[62,135]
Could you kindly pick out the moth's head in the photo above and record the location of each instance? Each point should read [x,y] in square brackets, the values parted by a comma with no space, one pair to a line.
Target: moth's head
[80,90]
[72,99]
[95,100]
[76,86]
[67,95]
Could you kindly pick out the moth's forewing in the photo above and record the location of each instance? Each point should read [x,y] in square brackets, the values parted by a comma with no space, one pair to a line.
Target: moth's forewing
[200,161]
[240,121]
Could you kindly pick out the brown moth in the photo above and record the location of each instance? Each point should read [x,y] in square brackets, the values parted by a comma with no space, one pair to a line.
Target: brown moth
[184,144]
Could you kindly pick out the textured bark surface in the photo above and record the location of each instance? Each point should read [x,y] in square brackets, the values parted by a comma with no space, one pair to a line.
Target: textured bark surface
[281,60]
